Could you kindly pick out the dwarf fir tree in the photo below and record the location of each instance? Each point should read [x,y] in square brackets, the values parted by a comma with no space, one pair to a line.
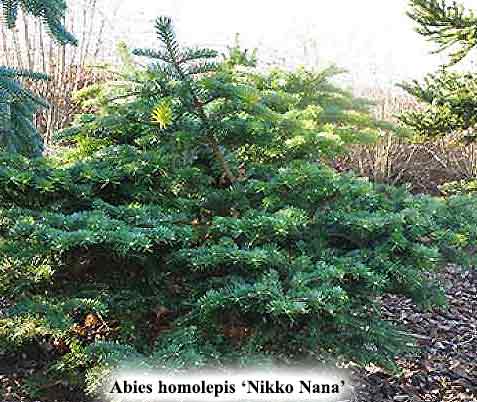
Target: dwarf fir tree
[193,223]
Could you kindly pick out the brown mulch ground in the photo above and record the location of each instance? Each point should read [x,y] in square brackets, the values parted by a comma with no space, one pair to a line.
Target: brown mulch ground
[445,370]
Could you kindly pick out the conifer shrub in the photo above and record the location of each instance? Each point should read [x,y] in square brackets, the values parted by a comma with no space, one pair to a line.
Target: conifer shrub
[447,98]
[192,222]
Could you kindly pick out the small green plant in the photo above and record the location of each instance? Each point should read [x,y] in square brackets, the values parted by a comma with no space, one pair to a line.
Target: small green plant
[449,105]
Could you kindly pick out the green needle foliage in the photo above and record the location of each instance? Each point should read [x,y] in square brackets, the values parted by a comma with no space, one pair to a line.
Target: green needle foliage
[448,97]
[17,104]
[50,12]
[192,222]
[449,105]
[17,108]
[446,23]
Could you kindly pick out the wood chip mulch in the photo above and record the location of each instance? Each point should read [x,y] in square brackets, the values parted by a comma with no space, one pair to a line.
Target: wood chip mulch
[445,368]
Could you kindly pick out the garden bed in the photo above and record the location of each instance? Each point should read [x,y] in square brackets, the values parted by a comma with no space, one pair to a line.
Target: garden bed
[445,366]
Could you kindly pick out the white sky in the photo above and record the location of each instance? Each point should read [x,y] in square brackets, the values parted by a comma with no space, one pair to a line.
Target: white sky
[373,39]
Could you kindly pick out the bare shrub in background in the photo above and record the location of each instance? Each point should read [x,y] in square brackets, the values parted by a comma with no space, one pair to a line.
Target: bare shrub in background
[423,166]
[28,46]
